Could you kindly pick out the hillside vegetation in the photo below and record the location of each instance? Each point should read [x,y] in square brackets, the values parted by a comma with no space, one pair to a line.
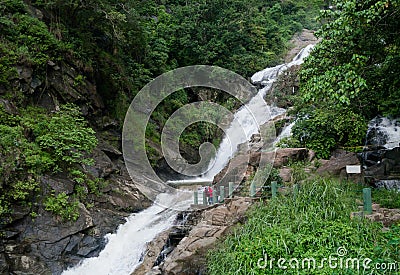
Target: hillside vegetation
[98,54]
[351,76]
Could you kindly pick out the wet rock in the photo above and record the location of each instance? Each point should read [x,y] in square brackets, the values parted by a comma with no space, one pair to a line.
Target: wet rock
[10,234]
[336,165]
[51,229]
[8,106]
[106,122]
[89,244]
[59,183]
[108,149]
[4,267]
[388,184]
[48,102]
[61,81]
[153,249]
[20,212]
[28,265]
[25,73]
[393,155]
[286,174]
[189,256]
[52,251]
[35,83]
[103,166]
[73,243]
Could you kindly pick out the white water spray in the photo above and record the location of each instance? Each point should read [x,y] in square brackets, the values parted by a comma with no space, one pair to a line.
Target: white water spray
[123,251]
[384,132]
[252,115]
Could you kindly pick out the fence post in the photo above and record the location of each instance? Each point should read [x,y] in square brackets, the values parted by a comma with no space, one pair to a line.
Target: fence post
[231,189]
[205,197]
[196,197]
[367,200]
[222,193]
[274,188]
[252,189]
[215,196]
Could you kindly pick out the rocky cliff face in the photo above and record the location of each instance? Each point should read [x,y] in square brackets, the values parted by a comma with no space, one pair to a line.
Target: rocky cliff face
[43,243]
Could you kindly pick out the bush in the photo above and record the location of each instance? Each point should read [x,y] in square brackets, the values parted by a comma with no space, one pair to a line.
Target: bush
[288,142]
[323,130]
[35,143]
[66,137]
[61,206]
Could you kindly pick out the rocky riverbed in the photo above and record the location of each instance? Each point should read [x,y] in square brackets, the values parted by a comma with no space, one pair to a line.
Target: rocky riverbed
[202,230]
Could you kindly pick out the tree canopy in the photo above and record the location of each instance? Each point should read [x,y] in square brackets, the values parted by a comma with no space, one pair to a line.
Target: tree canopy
[352,75]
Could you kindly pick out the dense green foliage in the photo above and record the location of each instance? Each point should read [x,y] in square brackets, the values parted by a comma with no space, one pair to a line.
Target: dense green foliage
[121,45]
[352,75]
[243,36]
[313,224]
[24,39]
[35,142]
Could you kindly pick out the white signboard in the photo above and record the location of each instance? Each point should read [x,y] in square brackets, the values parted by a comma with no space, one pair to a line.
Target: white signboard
[353,169]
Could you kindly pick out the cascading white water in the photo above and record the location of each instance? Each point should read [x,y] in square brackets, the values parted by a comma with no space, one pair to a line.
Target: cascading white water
[286,132]
[389,184]
[123,251]
[253,114]
[384,132]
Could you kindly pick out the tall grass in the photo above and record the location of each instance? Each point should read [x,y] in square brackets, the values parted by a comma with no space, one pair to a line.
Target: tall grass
[315,223]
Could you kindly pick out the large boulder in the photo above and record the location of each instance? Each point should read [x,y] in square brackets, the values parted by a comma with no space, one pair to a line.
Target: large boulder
[336,165]
[243,165]
[283,156]
[189,256]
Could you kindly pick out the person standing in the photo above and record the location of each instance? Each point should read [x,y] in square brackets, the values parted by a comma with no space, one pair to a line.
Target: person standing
[205,190]
[210,195]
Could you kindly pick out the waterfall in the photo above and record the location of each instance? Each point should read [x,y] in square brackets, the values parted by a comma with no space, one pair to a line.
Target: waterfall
[253,114]
[383,132]
[389,184]
[124,249]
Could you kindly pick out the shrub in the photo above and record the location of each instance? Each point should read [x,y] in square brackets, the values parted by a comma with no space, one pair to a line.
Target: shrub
[324,130]
[61,206]
[34,143]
